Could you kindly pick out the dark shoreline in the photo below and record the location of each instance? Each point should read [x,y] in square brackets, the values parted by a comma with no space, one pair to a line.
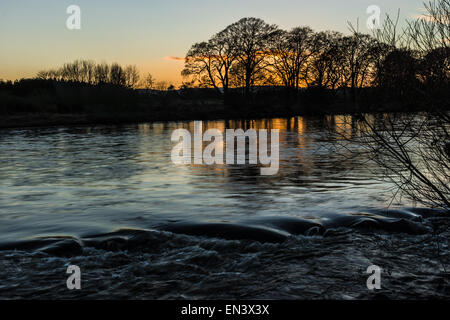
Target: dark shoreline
[55,120]
[46,103]
[42,120]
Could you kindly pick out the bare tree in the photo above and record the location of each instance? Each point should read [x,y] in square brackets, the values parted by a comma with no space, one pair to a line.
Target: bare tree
[398,72]
[432,30]
[101,73]
[290,52]
[413,150]
[430,35]
[162,85]
[87,71]
[357,62]
[210,63]
[325,65]
[251,37]
[117,75]
[71,71]
[226,55]
[131,76]
[49,75]
[200,63]
[148,82]
[435,70]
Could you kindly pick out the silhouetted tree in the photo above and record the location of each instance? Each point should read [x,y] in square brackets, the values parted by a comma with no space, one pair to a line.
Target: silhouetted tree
[357,54]
[252,38]
[87,71]
[435,69]
[131,76]
[432,30]
[290,53]
[117,75]
[200,63]
[413,150]
[162,85]
[148,81]
[398,72]
[101,73]
[226,55]
[325,65]
[210,63]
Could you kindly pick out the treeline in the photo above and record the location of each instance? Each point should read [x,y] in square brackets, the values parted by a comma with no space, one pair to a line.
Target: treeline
[90,72]
[251,53]
[87,71]
[84,86]
[63,96]
[101,101]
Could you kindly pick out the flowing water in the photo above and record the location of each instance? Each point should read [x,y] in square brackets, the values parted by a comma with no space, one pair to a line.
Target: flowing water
[110,200]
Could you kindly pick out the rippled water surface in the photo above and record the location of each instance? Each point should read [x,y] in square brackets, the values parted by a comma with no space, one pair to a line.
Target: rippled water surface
[84,182]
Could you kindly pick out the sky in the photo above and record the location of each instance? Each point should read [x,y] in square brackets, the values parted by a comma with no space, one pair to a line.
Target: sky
[149,33]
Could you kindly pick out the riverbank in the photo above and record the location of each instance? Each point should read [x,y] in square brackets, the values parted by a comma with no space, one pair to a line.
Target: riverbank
[176,113]
[39,103]
[29,120]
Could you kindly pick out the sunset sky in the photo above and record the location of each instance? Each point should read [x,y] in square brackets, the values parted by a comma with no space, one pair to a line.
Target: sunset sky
[149,33]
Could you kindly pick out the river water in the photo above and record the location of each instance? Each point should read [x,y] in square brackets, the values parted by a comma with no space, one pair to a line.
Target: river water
[109,199]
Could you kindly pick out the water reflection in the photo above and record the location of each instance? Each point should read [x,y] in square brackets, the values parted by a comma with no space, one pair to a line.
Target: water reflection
[113,176]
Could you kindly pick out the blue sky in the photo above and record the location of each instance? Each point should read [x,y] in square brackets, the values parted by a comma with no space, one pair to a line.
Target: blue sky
[33,34]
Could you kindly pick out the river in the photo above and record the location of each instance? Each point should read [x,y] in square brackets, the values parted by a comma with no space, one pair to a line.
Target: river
[109,199]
